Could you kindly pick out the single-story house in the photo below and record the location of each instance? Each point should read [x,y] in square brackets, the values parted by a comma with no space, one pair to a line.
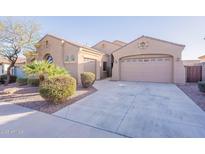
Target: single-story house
[202,58]
[75,57]
[16,70]
[144,59]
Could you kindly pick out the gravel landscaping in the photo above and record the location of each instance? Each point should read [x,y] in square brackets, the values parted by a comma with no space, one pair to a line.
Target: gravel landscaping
[193,92]
[28,96]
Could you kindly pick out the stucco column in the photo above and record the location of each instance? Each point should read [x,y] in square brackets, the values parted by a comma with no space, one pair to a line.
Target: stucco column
[115,70]
[179,71]
[98,65]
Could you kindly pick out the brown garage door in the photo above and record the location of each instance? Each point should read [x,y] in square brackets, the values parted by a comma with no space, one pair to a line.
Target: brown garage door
[90,65]
[152,69]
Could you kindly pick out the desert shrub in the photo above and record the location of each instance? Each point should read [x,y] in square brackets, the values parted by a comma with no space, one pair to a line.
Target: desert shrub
[57,89]
[21,81]
[33,82]
[43,69]
[3,78]
[87,79]
[201,86]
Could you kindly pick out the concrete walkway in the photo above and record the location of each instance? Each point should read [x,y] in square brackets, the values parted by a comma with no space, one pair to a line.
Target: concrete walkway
[17,121]
[137,109]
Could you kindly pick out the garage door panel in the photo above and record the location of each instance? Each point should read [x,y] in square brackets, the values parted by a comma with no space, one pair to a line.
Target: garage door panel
[149,69]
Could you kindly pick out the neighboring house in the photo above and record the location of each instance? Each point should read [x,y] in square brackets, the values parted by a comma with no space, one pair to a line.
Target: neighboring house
[191,62]
[3,65]
[202,58]
[16,70]
[76,58]
[149,59]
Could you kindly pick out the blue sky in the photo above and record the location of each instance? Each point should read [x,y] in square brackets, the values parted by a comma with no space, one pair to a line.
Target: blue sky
[90,30]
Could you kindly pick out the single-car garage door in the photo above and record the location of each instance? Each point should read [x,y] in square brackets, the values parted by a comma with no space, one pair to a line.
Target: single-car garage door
[90,65]
[147,68]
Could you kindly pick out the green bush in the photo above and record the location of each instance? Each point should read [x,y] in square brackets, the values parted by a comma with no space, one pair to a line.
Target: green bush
[3,79]
[87,79]
[57,89]
[21,81]
[201,86]
[33,82]
[43,69]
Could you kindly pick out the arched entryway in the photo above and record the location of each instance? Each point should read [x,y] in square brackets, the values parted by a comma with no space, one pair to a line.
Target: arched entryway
[151,68]
[48,58]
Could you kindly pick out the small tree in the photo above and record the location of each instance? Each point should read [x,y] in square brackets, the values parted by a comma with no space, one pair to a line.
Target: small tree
[16,37]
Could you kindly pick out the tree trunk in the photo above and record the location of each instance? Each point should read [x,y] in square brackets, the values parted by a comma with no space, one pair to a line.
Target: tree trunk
[9,73]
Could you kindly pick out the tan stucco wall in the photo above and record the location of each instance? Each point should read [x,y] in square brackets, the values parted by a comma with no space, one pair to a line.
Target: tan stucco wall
[106,47]
[54,48]
[72,67]
[59,51]
[84,53]
[120,43]
[154,47]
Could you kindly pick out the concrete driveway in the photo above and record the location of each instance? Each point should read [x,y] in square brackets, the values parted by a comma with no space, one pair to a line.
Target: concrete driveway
[137,109]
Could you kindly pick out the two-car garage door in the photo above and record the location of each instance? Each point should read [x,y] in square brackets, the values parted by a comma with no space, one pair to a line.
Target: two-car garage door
[150,68]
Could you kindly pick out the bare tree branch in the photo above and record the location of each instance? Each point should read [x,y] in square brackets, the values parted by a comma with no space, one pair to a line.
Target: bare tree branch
[17,37]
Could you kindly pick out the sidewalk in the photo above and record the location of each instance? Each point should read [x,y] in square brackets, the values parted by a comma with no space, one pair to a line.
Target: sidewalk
[17,121]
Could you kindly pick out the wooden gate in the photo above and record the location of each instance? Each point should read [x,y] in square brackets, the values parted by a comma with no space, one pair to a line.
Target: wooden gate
[193,73]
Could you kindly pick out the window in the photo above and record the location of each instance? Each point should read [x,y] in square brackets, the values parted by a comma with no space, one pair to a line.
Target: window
[103,45]
[48,58]
[72,58]
[69,58]
[46,43]
[142,45]
[104,66]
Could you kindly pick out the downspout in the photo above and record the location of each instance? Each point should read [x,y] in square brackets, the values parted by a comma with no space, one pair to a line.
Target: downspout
[78,65]
[63,52]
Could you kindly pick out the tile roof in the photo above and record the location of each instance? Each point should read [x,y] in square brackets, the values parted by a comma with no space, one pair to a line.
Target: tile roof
[73,43]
